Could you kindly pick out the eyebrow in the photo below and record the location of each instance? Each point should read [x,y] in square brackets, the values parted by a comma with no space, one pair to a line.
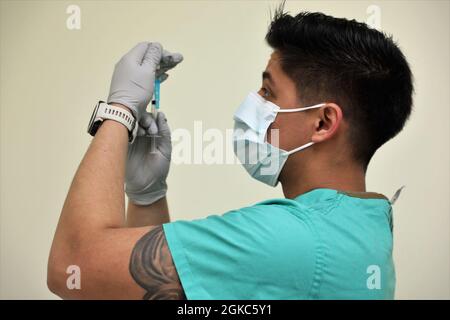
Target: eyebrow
[268,76]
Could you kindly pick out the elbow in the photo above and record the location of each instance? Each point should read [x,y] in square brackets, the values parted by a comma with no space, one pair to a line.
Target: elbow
[56,274]
[63,274]
[71,264]
[52,283]
[72,269]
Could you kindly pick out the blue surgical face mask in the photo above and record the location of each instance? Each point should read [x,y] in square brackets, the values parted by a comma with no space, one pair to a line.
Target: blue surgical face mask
[262,160]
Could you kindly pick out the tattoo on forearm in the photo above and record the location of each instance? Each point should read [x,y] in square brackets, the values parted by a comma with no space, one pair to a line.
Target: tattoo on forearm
[152,267]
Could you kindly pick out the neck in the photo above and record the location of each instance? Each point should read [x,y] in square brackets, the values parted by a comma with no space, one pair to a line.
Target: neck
[302,179]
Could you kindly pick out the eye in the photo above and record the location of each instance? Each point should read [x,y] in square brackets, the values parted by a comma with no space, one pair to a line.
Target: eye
[266,93]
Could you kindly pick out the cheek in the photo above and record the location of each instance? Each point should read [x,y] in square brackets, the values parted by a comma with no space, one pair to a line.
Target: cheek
[270,132]
[291,132]
[276,133]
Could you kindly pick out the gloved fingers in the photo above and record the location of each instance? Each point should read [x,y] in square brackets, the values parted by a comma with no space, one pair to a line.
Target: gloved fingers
[152,56]
[152,129]
[136,54]
[140,132]
[164,142]
[146,120]
[170,60]
[160,72]
[163,77]
[161,122]
[148,125]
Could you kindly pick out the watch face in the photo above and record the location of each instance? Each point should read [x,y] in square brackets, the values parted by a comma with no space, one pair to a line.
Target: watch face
[93,114]
[92,128]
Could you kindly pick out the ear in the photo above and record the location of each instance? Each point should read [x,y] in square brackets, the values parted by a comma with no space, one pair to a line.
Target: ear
[327,122]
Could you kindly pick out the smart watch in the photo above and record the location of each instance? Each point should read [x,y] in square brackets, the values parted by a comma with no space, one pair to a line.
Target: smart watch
[105,111]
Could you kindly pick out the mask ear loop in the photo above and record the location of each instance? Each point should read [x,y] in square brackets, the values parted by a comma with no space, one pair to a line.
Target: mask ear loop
[300,148]
[302,109]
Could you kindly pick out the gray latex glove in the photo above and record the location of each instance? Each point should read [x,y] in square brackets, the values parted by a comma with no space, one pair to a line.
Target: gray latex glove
[149,161]
[133,79]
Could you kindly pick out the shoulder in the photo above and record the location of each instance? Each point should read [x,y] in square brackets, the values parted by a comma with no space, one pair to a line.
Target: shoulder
[268,216]
[278,210]
[282,223]
[263,246]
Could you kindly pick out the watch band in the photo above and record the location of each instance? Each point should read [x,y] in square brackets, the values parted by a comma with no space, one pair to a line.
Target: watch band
[106,111]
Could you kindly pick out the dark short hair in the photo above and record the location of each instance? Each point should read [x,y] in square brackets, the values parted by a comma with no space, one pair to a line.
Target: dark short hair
[344,61]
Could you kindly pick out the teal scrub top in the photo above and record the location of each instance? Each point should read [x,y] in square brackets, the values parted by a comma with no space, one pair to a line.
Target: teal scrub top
[323,244]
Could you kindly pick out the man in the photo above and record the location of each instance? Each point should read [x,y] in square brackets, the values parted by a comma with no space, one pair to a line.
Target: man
[334,91]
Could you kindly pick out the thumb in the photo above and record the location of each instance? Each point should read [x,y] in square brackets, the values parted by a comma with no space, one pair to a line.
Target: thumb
[165,140]
[153,54]
[161,122]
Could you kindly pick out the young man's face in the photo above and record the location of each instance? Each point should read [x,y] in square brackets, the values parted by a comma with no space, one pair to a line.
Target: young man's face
[278,88]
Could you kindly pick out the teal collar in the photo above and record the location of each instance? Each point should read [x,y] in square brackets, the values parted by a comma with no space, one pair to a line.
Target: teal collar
[325,194]
[316,196]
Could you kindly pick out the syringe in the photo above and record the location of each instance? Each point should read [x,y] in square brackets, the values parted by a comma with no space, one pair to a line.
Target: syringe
[155,101]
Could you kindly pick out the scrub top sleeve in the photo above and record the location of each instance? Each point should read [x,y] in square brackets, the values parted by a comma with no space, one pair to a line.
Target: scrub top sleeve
[250,253]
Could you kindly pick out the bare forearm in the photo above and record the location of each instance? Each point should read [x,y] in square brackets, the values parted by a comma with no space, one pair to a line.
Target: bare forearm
[154,214]
[96,197]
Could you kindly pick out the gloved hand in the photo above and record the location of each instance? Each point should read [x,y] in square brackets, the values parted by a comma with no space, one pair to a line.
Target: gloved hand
[133,79]
[149,161]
